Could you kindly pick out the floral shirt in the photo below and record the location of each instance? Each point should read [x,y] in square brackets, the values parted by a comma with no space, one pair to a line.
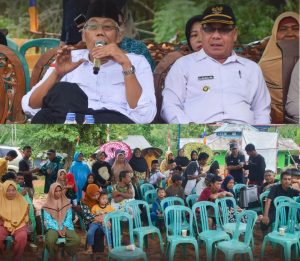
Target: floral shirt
[51,223]
[87,215]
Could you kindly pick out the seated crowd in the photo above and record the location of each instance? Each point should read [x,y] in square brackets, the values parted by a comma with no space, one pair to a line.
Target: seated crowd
[90,191]
[228,87]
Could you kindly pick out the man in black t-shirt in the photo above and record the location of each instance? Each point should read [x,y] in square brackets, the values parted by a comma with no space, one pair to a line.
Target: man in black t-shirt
[283,189]
[235,162]
[256,166]
[25,167]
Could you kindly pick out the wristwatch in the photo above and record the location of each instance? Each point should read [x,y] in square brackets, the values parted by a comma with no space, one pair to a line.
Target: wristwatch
[129,71]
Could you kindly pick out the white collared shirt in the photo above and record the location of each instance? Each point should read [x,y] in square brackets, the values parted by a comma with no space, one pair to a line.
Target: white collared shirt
[107,89]
[200,89]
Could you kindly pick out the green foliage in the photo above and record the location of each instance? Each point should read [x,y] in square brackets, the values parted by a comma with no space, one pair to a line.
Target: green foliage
[14,16]
[291,132]
[255,17]
[171,19]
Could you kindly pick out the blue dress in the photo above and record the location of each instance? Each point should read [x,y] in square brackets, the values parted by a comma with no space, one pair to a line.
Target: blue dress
[80,170]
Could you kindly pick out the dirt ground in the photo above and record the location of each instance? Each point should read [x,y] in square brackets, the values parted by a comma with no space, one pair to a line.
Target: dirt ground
[153,251]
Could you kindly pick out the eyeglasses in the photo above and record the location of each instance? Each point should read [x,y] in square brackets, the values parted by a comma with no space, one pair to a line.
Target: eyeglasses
[221,30]
[104,27]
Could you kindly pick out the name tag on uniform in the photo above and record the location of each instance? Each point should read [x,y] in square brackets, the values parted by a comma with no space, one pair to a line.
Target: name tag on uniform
[208,77]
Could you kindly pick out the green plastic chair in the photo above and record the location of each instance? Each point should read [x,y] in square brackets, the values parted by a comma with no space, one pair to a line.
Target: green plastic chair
[236,189]
[164,183]
[150,196]
[43,43]
[173,201]
[228,227]
[191,200]
[262,197]
[119,252]
[210,237]
[109,190]
[286,216]
[146,187]
[280,199]
[174,229]
[9,240]
[170,201]
[134,208]
[60,240]
[235,246]
[12,45]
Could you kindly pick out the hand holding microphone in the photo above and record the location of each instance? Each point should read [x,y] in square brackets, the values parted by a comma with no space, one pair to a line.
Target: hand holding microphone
[97,61]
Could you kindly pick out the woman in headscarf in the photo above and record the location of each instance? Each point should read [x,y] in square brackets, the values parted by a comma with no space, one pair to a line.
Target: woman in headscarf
[90,199]
[120,164]
[228,184]
[139,166]
[193,33]
[58,221]
[181,160]
[286,27]
[102,170]
[164,165]
[13,218]
[194,155]
[80,170]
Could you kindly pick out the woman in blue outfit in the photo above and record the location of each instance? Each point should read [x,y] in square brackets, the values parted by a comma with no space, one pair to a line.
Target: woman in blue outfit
[80,170]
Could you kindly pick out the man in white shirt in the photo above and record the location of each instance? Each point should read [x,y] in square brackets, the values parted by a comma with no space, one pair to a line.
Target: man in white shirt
[155,175]
[214,84]
[122,91]
[194,172]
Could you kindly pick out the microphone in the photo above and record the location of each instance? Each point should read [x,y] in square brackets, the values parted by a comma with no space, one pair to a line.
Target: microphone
[97,62]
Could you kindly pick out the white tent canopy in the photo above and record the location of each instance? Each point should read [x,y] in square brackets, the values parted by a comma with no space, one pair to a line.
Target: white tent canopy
[266,144]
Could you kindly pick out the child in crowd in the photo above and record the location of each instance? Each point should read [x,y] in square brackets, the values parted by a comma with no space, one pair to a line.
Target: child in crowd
[100,210]
[89,180]
[32,223]
[67,182]
[155,176]
[157,215]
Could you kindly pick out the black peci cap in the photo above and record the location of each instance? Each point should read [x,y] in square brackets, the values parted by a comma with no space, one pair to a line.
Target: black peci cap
[104,8]
[219,13]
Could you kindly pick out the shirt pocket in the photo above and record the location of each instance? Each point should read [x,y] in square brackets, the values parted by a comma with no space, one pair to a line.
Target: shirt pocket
[115,89]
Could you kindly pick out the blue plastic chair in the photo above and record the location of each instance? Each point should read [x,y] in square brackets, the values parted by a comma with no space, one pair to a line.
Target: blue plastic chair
[235,246]
[200,212]
[145,187]
[191,200]
[60,240]
[43,43]
[286,216]
[164,183]
[150,196]
[262,197]
[280,199]
[174,229]
[172,201]
[9,240]
[134,208]
[237,188]
[119,252]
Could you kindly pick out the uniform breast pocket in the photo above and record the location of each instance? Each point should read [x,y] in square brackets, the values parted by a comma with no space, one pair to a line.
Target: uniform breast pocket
[239,86]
